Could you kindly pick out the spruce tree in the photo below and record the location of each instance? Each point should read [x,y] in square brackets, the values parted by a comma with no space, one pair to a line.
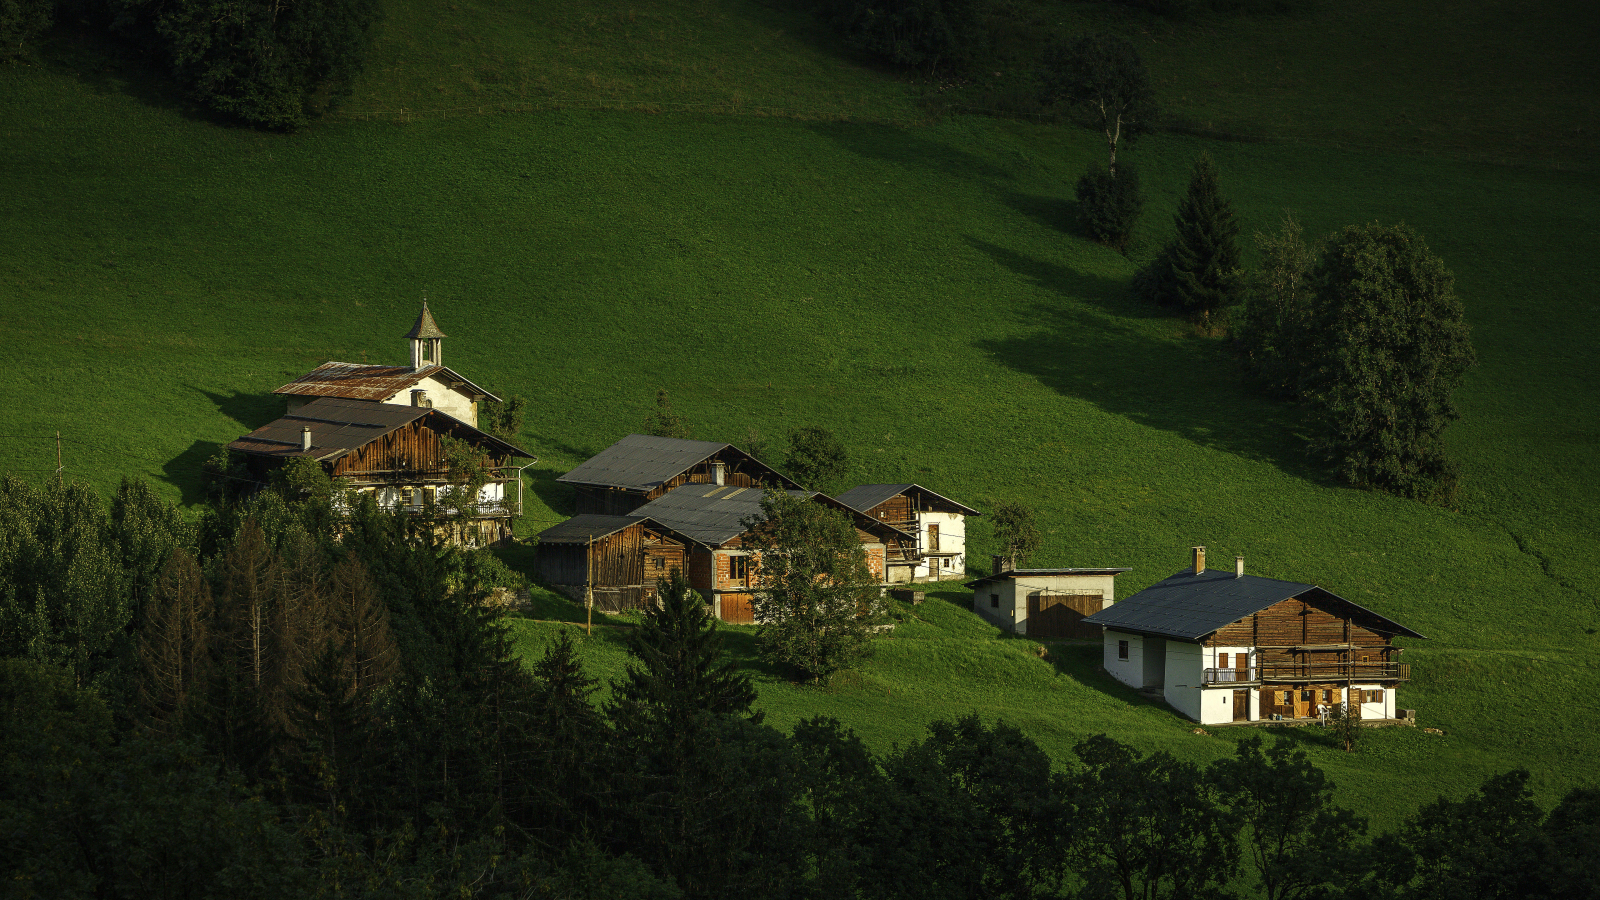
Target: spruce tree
[1204,257]
[174,644]
[679,677]
[566,734]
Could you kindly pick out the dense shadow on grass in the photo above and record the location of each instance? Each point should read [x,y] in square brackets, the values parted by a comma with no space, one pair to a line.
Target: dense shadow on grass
[108,66]
[1109,294]
[184,471]
[560,498]
[909,148]
[739,645]
[1188,386]
[251,411]
[1081,663]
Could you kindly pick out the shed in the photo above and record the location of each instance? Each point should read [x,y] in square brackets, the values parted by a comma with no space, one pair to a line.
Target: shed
[1045,604]
[623,558]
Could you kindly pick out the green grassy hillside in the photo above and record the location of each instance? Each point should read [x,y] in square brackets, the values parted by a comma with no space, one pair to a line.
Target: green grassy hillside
[919,290]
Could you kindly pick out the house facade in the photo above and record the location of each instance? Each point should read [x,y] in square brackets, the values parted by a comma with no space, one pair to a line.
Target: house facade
[396,454]
[425,383]
[1226,647]
[939,523]
[1045,604]
[642,468]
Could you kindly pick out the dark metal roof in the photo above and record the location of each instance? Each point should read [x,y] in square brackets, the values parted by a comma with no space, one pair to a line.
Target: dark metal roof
[709,513]
[1188,607]
[642,462]
[339,426]
[1023,573]
[425,327]
[587,527]
[865,497]
[355,381]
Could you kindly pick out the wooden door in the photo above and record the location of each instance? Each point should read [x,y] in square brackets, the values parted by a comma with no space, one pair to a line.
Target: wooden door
[1241,667]
[1241,706]
[1305,703]
[736,609]
[1060,616]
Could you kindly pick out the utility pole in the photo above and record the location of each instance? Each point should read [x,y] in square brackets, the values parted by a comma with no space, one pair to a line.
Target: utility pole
[58,453]
[588,588]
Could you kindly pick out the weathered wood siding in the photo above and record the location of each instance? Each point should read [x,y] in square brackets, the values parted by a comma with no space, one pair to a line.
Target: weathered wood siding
[1289,624]
[412,449]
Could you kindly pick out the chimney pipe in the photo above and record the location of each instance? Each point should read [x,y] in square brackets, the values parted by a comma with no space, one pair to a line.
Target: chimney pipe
[1199,560]
[999,562]
[305,438]
[1238,567]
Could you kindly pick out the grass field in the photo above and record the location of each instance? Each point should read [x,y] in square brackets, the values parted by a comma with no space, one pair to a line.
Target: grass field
[918,289]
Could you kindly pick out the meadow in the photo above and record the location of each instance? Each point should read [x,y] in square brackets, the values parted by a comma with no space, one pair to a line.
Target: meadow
[820,249]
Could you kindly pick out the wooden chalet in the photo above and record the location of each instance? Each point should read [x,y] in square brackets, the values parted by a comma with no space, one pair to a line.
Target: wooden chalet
[619,558]
[1229,647]
[395,453]
[708,521]
[426,382]
[938,522]
[641,468]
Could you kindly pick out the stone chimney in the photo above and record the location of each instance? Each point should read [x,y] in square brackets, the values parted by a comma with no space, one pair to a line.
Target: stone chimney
[1238,567]
[999,564]
[1199,560]
[719,471]
[305,438]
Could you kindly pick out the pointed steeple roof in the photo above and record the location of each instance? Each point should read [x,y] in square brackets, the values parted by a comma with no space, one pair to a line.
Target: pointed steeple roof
[425,327]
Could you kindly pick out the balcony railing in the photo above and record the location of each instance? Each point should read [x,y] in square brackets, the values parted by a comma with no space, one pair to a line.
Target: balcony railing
[1364,672]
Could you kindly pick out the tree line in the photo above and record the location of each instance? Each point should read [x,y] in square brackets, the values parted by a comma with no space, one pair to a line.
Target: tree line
[260,709]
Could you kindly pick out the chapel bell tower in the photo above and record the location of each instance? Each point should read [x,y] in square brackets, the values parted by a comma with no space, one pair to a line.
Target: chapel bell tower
[426,341]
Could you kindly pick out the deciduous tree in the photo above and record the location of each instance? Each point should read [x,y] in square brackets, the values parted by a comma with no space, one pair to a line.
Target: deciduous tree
[1102,79]
[817,600]
[816,459]
[1389,346]
[1272,331]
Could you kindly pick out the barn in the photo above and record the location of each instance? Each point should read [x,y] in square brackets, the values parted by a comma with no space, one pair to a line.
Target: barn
[641,468]
[618,560]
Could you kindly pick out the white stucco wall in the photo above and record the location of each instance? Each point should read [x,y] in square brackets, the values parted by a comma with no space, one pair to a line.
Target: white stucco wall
[1216,706]
[445,399]
[1129,671]
[1182,690]
[1383,710]
[952,539]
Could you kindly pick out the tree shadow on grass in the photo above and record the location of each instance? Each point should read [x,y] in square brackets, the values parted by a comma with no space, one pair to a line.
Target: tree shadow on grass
[250,411]
[739,645]
[108,66]
[186,471]
[909,148]
[1185,385]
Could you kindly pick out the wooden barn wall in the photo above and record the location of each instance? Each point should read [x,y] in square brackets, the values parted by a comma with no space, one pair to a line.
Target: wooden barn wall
[895,509]
[409,448]
[1295,622]
[700,568]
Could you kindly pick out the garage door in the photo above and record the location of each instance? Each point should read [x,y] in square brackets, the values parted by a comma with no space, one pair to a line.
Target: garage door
[1060,616]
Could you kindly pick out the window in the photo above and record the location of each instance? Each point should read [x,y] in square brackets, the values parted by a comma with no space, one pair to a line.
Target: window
[994,601]
[1307,696]
[661,563]
[1327,696]
[933,539]
[738,568]
[1122,649]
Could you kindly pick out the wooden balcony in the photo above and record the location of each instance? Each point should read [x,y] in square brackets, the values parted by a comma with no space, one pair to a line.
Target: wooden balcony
[1319,672]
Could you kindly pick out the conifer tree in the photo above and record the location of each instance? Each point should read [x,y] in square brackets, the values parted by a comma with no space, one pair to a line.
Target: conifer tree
[174,644]
[679,677]
[1199,271]
[567,735]
[361,620]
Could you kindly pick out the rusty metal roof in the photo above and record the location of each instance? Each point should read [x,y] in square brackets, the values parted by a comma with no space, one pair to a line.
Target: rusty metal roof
[356,381]
[425,327]
[339,426]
